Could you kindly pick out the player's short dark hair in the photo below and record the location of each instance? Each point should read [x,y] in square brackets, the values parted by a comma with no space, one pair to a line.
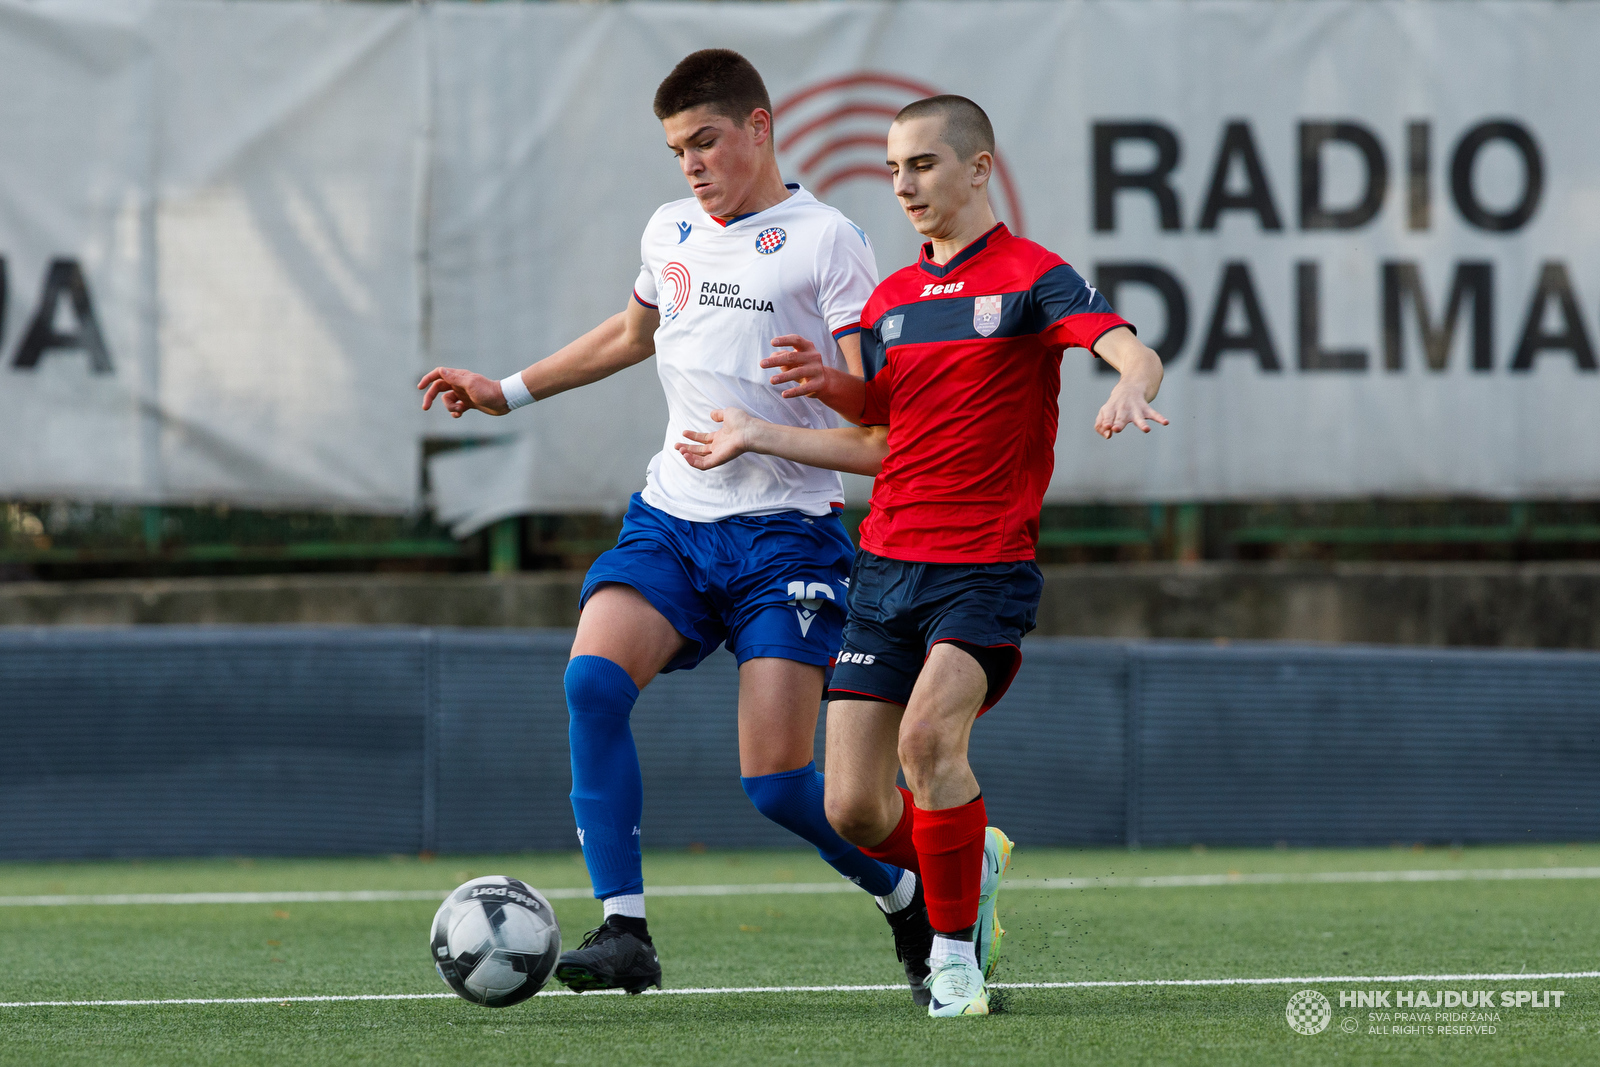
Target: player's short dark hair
[718,78]
[966,128]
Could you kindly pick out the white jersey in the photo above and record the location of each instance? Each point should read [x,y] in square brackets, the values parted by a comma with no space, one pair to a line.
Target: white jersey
[724,292]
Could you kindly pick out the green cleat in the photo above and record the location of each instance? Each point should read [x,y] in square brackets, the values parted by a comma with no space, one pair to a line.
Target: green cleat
[996,858]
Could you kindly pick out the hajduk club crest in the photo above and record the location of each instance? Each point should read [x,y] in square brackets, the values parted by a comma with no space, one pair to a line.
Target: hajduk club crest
[770,240]
[986,315]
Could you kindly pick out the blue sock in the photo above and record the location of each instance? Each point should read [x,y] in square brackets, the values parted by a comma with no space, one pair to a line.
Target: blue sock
[793,800]
[607,789]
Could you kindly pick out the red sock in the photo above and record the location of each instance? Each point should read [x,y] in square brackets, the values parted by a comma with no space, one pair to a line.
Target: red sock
[898,848]
[950,848]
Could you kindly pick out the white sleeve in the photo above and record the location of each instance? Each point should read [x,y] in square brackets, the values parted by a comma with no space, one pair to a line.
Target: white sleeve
[847,274]
[644,287]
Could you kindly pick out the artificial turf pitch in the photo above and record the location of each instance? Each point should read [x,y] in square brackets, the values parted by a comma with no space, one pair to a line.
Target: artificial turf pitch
[91,952]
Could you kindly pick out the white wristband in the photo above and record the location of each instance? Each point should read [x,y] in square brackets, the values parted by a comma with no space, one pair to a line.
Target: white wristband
[516,393]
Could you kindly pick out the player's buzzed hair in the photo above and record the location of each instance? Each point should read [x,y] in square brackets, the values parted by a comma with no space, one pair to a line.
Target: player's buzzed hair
[718,78]
[966,128]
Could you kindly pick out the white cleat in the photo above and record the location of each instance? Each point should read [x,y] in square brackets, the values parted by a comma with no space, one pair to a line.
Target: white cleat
[956,988]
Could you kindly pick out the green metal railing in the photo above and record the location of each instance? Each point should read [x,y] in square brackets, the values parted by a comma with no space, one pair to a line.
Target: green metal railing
[308,550]
[81,534]
[1416,523]
[108,539]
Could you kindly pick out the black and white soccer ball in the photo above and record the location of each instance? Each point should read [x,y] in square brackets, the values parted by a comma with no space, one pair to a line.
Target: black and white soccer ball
[495,941]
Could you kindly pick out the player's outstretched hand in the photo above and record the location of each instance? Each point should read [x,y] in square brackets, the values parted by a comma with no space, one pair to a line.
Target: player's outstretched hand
[461,391]
[734,439]
[797,361]
[1126,407]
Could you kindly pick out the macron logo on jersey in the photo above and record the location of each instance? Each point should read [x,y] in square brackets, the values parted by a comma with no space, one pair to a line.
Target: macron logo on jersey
[683,231]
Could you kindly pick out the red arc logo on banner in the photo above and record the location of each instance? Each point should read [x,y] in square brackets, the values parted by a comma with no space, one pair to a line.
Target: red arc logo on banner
[836,131]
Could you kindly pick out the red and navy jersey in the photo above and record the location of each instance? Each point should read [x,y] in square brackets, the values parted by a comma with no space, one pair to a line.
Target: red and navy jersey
[963,364]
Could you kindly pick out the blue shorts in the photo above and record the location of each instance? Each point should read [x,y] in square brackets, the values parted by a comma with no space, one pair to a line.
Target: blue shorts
[768,585]
[898,611]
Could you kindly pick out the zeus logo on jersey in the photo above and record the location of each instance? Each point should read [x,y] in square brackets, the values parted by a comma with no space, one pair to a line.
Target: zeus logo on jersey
[939,290]
[863,658]
[806,599]
[726,295]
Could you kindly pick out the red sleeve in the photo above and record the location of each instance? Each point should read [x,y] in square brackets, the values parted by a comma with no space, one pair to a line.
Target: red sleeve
[1081,330]
[875,409]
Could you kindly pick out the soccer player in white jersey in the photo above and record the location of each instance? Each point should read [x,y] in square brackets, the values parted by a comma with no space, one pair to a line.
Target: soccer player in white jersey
[754,554]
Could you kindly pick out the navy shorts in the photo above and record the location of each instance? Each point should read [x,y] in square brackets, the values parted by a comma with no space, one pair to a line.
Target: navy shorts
[768,585]
[899,611]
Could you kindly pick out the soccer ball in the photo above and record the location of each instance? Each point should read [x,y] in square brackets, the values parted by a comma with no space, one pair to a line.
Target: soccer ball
[495,941]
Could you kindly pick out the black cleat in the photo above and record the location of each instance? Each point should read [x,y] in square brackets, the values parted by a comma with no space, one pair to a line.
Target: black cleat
[913,944]
[610,958]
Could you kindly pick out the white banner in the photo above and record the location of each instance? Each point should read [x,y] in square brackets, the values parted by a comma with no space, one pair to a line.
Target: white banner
[1279,195]
[77,187]
[1365,234]
[292,156]
[209,219]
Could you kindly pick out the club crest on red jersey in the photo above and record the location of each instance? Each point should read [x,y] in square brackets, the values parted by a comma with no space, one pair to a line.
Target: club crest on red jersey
[986,315]
[770,240]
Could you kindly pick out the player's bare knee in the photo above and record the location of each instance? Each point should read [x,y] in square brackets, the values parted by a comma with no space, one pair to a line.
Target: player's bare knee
[859,820]
[856,829]
[924,746]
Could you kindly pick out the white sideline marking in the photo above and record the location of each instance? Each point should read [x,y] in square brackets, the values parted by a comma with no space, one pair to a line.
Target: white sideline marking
[63,900]
[1169,881]
[1348,979]
[1175,881]
[360,895]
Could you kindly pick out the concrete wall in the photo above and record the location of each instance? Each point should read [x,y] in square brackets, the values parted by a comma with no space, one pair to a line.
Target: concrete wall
[1555,605]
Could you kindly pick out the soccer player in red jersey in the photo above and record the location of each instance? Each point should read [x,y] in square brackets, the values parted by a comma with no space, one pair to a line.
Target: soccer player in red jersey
[957,418]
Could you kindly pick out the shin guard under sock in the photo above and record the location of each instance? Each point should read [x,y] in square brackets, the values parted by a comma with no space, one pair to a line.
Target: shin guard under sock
[950,847]
[607,789]
[899,848]
[793,800]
